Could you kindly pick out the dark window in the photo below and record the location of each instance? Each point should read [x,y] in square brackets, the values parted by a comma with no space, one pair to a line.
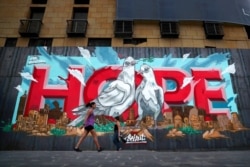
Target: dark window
[247,28]
[169,29]
[10,42]
[99,42]
[80,13]
[39,1]
[213,30]
[37,12]
[40,42]
[210,47]
[134,41]
[81,1]
[77,27]
[123,29]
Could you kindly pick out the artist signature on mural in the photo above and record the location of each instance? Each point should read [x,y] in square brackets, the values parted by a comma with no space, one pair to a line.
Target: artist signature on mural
[135,138]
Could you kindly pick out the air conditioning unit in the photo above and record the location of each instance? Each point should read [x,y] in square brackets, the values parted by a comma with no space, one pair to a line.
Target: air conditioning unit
[213,30]
[169,29]
[123,29]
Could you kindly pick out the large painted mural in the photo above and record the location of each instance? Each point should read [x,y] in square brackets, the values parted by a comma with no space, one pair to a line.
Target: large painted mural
[179,94]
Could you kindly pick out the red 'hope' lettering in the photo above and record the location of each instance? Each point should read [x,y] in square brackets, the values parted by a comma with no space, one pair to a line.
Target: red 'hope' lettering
[40,90]
[203,95]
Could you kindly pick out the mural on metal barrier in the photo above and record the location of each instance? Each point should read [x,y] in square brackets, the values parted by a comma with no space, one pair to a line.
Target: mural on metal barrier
[183,95]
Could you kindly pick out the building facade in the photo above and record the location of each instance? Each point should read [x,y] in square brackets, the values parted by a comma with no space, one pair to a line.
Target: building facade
[104,23]
[176,72]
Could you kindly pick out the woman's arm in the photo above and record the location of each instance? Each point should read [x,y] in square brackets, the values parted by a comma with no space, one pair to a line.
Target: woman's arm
[119,127]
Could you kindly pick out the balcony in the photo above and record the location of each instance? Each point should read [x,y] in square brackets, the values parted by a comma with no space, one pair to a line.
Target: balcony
[169,29]
[77,27]
[30,27]
[123,29]
[213,30]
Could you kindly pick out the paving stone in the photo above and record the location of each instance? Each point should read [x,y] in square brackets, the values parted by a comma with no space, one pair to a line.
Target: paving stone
[124,158]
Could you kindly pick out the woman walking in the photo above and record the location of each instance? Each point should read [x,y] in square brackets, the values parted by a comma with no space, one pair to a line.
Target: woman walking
[89,127]
[116,136]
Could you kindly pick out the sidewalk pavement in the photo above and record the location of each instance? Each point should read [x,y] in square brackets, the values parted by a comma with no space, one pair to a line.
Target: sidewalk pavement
[124,158]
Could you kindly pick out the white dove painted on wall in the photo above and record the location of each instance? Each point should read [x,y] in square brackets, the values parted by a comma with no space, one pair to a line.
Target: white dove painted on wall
[149,95]
[116,97]
[19,88]
[27,76]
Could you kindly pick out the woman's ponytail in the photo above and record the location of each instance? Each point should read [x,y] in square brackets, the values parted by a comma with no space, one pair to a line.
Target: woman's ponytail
[90,104]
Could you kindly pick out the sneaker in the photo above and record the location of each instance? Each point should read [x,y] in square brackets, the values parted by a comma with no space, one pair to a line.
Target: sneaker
[119,149]
[77,149]
[100,149]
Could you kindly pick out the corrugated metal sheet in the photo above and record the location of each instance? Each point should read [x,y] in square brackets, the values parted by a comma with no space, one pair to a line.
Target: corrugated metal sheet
[231,11]
[13,59]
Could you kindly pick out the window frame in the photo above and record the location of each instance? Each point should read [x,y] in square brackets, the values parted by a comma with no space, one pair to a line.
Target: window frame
[99,42]
[123,28]
[247,29]
[213,30]
[169,29]
[36,42]
[39,1]
[81,2]
[10,42]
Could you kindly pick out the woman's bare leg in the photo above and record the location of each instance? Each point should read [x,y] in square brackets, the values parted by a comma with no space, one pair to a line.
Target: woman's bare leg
[93,133]
[85,133]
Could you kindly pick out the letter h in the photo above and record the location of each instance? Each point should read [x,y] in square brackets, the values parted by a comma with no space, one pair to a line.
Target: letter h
[40,90]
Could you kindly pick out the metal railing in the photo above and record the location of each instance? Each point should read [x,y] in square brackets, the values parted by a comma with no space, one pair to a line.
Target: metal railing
[77,27]
[30,27]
